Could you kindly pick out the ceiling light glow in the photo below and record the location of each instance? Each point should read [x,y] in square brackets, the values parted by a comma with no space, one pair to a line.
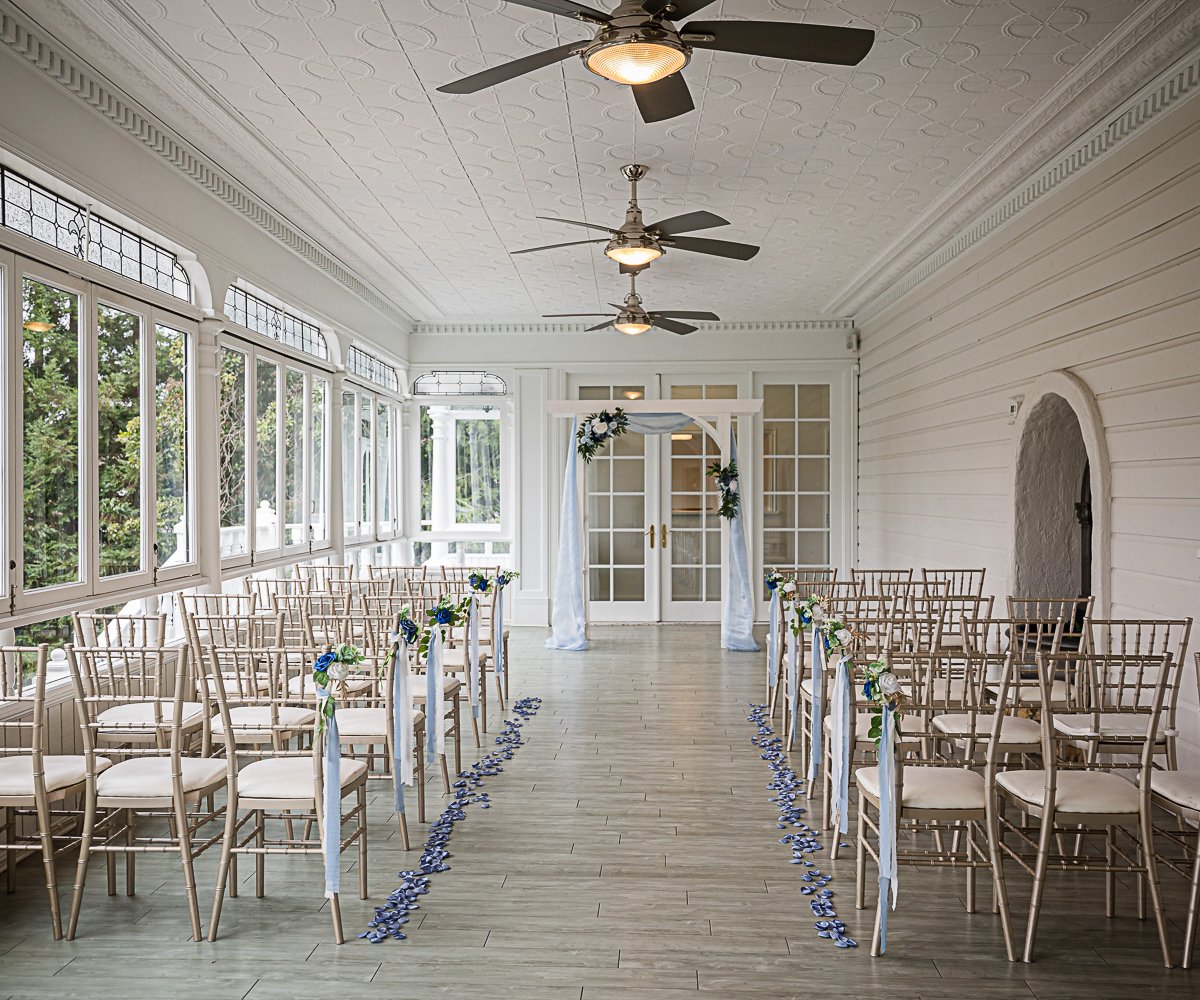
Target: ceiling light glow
[633,256]
[636,63]
[632,327]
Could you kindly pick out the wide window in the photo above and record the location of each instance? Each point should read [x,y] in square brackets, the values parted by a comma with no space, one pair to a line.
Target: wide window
[104,443]
[461,473]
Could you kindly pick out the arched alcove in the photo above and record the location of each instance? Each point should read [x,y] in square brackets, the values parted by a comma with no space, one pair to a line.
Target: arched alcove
[1061,493]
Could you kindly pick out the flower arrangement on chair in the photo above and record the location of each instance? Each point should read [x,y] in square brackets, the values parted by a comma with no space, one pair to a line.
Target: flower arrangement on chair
[836,636]
[882,691]
[480,583]
[505,577]
[773,579]
[727,482]
[597,430]
[332,667]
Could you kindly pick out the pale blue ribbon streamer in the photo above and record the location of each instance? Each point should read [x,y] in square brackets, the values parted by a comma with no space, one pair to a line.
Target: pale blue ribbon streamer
[839,711]
[401,721]
[498,632]
[887,822]
[793,670]
[435,716]
[816,722]
[331,827]
[737,604]
[567,613]
[773,639]
[473,653]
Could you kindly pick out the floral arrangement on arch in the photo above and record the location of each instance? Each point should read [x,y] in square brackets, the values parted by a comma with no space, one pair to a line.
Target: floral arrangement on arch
[881,689]
[332,667]
[597,430]
[727,482]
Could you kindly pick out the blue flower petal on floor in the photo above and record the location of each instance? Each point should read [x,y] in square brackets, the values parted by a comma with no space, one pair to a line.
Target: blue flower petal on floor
[393,914]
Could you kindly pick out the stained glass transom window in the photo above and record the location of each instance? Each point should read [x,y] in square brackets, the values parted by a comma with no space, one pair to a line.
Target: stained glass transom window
[459,384]
[367,366]
[271,321]
[31,209]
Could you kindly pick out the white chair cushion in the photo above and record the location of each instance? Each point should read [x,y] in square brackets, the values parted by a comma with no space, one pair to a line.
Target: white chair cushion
[1096,792]
[945,788]
[456,657]
[126,718]
[150,777]
[234,682]
[62,771]
[1111,723]
[862,726]
[303,684]
[450,686]
[366,722]
[243,717]
[1014,731]
[288,777]
[1180,787]
[1030,694]
[806,688]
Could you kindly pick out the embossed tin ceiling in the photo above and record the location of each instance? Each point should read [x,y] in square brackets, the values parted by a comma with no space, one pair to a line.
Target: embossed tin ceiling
[823,167]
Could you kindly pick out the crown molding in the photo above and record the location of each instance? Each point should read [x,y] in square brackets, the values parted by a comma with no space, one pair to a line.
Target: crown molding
[1058,138]
[38,47]
[838,326]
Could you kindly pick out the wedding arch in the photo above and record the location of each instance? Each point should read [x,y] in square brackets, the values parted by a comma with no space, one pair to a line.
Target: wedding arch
[569,611]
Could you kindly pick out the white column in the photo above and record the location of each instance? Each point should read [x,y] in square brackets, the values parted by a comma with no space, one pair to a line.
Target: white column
[442,486]
[206,471]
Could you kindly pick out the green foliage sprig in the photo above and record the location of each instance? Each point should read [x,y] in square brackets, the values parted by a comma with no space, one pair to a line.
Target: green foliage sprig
[597,430]
[727,482]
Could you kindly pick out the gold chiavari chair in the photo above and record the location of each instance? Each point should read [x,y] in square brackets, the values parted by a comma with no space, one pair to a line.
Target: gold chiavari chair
[299,610]
[264,589]
[216,604]
[400,574]
[1075,612]
[156,781]
[950,611]
[1124,696]
[452,689]
[957,581]
[119,629]
[324,578]
[843,598]
[871,581]
[278,780]
[33,783]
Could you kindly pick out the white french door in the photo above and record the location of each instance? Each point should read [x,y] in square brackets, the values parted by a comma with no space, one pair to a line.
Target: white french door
[653,536]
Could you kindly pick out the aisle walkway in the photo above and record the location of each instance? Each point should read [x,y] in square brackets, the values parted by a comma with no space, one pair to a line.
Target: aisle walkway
[630,854]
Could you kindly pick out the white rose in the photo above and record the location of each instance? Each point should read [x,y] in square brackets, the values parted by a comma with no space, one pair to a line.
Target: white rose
[599,426]
[338,671]
[843,636]
[733,486]
[889,683]
[789,587]
[818,613]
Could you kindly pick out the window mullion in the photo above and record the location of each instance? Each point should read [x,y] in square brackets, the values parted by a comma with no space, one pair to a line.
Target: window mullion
[149,477]
[89,450]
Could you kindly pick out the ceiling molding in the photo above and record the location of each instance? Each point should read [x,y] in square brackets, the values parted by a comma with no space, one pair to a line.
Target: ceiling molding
[31,43]
[838,326]
[1061,137]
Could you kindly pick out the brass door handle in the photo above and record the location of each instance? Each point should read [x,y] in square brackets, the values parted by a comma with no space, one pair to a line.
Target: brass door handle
[665,533]
[650,532]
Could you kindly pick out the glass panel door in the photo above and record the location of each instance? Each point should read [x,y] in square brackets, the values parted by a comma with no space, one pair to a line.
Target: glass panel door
[620,490]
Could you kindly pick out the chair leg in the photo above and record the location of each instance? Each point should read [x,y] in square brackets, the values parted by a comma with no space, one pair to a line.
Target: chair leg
[475,728]
[224,867]
[1146,847]
[47,838]
[1045,836]
[335,911]
[189,871]
[362,839]
[130,856]
[860,856]
[999,887]
[10,862]
[1110,878]
[499,694]
[260,859]
[85,853]
[1189,934]
[457,713]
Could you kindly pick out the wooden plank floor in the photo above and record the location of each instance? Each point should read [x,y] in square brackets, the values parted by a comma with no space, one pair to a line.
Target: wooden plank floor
[630,854]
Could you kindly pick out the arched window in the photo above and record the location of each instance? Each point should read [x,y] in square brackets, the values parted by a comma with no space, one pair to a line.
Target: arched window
[459,384]
[35,211]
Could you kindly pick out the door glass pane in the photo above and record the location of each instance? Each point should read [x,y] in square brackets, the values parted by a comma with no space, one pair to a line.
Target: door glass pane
[233,453]
[366,462]
[50,351]
[796,475]
[383,441]
[293,459]
[349,463]
[119,433]
[266,415]
[174,520]
[318,511]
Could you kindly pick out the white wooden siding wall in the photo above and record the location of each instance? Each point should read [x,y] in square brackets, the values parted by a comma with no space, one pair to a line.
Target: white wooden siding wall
[1103,280]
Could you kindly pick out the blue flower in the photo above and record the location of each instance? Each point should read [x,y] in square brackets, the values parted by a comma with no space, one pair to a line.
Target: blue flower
[323,662]
[409,628]
[444,616]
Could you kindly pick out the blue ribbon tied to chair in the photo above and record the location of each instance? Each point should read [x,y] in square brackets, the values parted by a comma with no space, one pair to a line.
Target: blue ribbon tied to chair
[331,806]
[402,721]
[817,702]
[498,632]
[793,676]
[773,639]
[839,733]
[473,652]
[887,822]
[435,690]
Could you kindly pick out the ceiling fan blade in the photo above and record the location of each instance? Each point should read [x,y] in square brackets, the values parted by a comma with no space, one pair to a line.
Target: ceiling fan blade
[572,222]
[718,248]
[566,8]
[601,326]
[688,314]
[510,70]
[670,325]
[682,8]
[819,43]
[555,246]
[663,99]
[688,223]
[570,315]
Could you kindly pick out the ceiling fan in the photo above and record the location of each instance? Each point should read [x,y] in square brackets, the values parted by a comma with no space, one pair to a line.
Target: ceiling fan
[636,244]
[639,45]
[632,319]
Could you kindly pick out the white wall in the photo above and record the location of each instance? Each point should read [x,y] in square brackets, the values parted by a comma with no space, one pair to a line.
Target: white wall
[1101,279]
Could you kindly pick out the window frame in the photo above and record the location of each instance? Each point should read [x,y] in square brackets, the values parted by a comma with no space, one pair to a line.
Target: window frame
[370,531]
[91,586]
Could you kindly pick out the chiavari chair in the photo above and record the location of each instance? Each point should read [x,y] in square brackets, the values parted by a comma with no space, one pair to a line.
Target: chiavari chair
[957,581]
[33,783]
[280,780]
[401,574]
[216,604]
[325,578]
[102,629]
[1124,697]
[264,589]
[871,581]
[156,780]
[298,610]
[1075,612]
[421,605]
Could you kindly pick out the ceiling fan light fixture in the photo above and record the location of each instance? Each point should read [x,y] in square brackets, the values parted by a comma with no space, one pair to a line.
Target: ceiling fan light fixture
[38,326]
[633,253]
[636,62]
[632,327]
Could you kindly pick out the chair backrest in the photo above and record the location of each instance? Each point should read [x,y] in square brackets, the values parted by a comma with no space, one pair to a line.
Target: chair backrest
[397,573]
[870,581]
[462,574]
[23,681]
[265,589]
[119,630]
[957,581]
[906,595]
[877,636]
[808,580]
[842,596]
[1075,612]
[950,612]
[322,578]
[1143,637]
[257,630]
[387,587]
[217,604]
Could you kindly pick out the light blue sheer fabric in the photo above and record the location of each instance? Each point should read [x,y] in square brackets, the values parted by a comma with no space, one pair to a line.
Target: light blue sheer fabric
[737,605]
[817,718]
[567,612]
[657,423]
[887,823]
[773,639]
[331,810]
